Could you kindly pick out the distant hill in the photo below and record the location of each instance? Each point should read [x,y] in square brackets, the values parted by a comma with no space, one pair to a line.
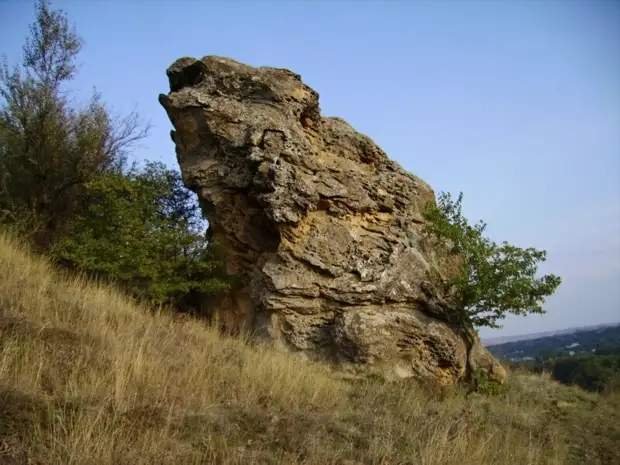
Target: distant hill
[565,342]
[492,341]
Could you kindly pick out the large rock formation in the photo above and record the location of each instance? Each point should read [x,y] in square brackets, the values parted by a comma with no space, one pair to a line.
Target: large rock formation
[323,228]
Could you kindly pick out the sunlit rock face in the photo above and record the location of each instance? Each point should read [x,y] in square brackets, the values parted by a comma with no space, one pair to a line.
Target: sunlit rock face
[322,227]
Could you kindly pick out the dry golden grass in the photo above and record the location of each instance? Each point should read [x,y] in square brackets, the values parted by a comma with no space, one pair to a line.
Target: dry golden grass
[86,377]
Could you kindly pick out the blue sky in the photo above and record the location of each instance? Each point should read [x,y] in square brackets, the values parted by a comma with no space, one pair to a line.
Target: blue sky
[516,103]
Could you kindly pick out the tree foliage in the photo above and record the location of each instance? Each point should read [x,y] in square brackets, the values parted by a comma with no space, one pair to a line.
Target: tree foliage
[50,147]
[65,180]
[491,280]
[144,230]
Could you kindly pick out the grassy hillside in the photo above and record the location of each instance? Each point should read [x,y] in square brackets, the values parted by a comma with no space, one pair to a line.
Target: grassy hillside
[88,378]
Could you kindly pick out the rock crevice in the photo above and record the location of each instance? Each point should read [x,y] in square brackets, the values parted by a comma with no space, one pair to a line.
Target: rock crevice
[324,230]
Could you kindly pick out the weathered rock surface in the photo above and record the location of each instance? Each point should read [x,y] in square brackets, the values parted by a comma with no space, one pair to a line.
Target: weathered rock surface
[322,226]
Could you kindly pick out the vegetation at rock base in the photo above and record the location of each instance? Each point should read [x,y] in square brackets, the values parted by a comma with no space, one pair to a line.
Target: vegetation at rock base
[88,377]
[492,280]
[66,182]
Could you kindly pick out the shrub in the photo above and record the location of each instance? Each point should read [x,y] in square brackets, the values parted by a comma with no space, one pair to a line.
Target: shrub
[144,230]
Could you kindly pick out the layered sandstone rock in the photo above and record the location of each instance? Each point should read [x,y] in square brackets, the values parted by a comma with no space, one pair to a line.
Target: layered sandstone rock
[323,228]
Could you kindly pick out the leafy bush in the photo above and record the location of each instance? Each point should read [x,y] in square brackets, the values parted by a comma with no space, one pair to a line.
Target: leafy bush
[144,230]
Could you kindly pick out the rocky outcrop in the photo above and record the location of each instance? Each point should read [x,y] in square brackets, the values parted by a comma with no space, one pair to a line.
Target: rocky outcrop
[322,227]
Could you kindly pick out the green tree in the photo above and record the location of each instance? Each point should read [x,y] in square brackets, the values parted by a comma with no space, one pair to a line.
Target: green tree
[144,230]
[607,348]
[590,372]
[50,147]
[545,355]
[489,280]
